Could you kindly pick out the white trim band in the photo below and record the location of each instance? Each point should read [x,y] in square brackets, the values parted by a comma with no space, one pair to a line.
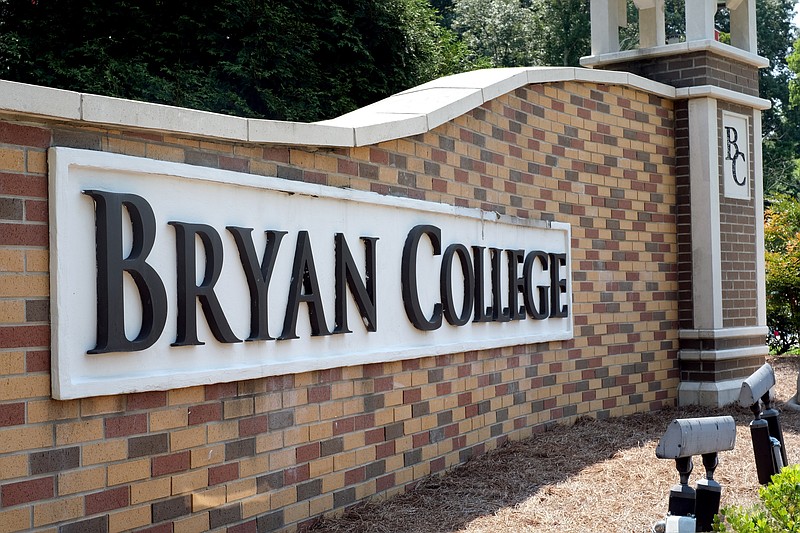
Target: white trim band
[726,95]
[727,333]
[721,355]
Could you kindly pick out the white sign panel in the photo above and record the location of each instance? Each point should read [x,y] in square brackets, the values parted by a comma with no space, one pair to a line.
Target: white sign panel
[736,156]
[166,275]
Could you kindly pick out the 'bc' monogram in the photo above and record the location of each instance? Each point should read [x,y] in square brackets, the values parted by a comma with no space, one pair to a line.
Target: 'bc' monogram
[732,138]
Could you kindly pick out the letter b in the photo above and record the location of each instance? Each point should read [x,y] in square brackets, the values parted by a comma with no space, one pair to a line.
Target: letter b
[111,266]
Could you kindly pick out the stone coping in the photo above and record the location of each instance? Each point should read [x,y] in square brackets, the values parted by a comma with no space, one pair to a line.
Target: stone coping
[687,47]
[719,93]
[411,112]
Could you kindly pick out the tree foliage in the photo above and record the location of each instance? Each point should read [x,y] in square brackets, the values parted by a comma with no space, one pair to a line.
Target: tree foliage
[512,33]
[504,31]
[781,135]
[307,60]
[777,512]
[292,59]
[566,31]
[782,243]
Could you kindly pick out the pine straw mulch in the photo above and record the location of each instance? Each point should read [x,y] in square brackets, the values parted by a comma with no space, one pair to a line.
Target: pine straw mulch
[596,475]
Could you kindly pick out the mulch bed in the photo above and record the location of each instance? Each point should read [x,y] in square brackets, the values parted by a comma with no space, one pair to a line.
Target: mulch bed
[596,475]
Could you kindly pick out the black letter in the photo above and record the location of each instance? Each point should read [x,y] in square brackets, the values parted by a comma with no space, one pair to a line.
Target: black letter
[516,284]
[188,291]
[530,298]
[498,313]
[305,288]
[364,293]
[409,277]
[446,285]
[110,267]
[482,313]
[258,278]
[558,285]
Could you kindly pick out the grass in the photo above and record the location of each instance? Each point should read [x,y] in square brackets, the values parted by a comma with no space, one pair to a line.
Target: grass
[591,476]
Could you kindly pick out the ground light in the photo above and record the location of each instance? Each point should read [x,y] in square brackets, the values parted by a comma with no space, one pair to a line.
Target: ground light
[690,509]
[765,429]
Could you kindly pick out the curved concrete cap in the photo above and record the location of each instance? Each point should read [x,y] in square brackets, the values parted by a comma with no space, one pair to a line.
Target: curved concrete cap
[411,112]
[423,108]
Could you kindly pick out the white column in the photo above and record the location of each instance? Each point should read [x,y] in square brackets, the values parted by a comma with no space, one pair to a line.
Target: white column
[704,186]
[743,24]
[651,23]
[761,284]
[605,20]
[700,19]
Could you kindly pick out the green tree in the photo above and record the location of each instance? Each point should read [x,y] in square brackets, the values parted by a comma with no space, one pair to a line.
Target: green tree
[504,31]
[782,244]
[781,123]
[291,59]
[522,32]
[566,31]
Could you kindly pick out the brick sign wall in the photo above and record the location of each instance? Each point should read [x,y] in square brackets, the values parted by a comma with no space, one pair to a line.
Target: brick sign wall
[278,451]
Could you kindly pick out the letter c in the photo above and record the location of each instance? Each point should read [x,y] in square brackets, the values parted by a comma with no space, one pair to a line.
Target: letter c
[408,276]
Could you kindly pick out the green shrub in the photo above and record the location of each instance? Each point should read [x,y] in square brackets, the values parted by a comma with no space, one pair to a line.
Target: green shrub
[778,511]
[782,256]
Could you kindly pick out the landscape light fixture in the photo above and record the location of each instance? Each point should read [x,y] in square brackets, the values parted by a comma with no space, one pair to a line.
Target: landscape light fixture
[690,509]
[765,429]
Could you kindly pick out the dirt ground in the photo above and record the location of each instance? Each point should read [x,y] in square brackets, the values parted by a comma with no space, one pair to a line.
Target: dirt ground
[594,476]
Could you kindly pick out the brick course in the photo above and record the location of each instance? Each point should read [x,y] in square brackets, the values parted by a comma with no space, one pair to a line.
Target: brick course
[265,454]
[698,68]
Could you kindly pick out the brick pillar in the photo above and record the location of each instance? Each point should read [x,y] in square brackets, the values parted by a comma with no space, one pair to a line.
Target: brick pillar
[722,301]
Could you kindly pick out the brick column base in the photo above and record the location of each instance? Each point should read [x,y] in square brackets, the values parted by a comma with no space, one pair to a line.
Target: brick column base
[713,363]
